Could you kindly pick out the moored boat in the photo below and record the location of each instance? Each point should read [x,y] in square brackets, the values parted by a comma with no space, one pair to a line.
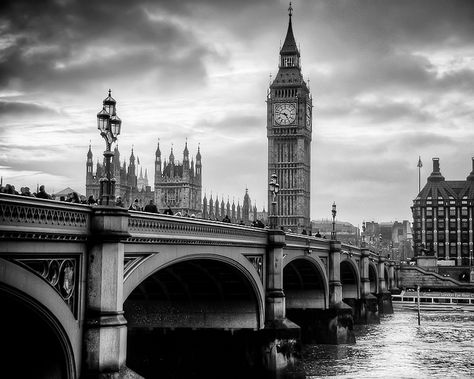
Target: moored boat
[434,301]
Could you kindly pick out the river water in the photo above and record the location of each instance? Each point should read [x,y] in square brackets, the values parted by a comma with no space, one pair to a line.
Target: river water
[441,347]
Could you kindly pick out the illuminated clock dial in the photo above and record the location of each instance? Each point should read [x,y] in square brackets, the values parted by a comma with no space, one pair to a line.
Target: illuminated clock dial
[285,113]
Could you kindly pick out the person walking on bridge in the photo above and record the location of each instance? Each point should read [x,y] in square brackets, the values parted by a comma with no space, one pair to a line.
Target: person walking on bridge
[151,207]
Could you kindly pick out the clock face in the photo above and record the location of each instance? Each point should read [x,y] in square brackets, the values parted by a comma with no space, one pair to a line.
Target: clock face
[285,113]
[308,115]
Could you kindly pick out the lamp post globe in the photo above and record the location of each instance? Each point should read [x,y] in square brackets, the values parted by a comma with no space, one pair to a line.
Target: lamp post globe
[109,125]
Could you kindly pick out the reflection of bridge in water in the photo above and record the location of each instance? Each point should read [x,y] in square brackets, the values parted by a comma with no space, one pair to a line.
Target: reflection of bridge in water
[75,281]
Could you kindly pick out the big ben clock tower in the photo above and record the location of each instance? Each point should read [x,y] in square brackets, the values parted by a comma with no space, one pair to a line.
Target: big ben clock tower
[289,123]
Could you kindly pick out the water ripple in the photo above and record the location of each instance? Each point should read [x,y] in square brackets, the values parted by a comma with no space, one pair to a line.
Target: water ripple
[442,347]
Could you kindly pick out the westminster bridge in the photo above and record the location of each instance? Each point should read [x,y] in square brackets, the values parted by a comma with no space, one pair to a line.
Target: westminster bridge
[78,282]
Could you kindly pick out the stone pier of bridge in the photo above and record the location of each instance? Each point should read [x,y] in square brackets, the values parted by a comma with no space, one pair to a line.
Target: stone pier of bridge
[98,281]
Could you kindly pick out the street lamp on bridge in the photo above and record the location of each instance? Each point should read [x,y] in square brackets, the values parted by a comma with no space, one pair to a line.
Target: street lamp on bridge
[363,234]
[109,125]
[274,188]
[333,233]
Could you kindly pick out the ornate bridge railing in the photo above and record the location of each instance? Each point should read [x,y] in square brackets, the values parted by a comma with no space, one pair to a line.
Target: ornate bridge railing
[158,228]
[26,218]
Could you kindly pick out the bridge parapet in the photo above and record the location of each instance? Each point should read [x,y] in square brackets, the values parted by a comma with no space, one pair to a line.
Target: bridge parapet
[306,243]
[156,228]
[30,218]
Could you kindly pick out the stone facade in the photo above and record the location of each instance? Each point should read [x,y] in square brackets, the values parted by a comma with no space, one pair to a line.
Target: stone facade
[289,128]
[179,185]
[245,213]
[126,181]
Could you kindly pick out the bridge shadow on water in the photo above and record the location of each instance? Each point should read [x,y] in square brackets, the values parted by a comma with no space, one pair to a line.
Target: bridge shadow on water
[186,353]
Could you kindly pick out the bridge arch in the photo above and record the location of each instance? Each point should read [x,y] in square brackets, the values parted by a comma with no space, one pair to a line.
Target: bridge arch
[373,278]
[42,335]
[187,271]
[305,283]
[350,279]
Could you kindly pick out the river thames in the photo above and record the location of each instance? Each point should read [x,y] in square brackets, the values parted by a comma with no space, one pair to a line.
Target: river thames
[441,347]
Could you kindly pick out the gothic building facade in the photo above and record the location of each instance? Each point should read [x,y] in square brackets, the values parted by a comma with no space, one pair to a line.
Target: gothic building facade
[289,128]
[178,185]
[238,214]
[127,184]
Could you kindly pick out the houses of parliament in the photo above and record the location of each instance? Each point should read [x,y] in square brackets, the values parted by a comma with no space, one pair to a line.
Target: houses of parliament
[178,185]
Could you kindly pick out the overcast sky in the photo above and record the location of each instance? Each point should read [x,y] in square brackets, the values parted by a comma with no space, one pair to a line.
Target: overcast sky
[391,80]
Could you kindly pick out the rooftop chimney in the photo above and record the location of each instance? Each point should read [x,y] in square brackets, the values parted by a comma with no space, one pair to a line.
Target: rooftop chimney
[436,174]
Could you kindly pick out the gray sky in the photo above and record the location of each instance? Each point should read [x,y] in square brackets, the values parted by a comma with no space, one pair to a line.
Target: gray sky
[391,80]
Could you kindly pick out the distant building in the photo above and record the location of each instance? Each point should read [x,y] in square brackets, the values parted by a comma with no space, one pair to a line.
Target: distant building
[443,218]
[179,185]
[345,231]
[126,181]
[213,209]
[391,238]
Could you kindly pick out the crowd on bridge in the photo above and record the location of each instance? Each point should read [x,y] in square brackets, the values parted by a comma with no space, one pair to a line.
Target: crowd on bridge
[74,197]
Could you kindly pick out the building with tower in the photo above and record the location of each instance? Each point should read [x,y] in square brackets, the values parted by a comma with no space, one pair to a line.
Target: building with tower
[127,185]
[179,185]
[289,127]
[443,214]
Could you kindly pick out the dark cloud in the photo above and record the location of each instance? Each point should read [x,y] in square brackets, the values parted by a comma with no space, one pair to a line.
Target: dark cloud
[382,26]
[72,44]
[21,109]
[387,46]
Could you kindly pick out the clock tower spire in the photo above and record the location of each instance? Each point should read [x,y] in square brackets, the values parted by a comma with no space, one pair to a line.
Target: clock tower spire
[289,129]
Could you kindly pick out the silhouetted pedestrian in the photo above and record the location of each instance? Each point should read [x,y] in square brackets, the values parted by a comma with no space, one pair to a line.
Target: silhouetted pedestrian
[25,191]
[42,193]
[151,207]
[134,206]
[75,198]
[119,202]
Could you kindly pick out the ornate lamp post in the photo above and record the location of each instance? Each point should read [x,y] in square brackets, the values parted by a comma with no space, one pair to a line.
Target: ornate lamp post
[274,188]
[333,233]
[363,233]
[109,125]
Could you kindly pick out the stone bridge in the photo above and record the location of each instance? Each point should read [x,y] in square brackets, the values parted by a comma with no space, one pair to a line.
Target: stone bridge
[78,282]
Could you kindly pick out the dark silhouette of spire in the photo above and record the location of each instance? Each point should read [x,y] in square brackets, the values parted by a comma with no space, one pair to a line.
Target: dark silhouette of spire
[289,46]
